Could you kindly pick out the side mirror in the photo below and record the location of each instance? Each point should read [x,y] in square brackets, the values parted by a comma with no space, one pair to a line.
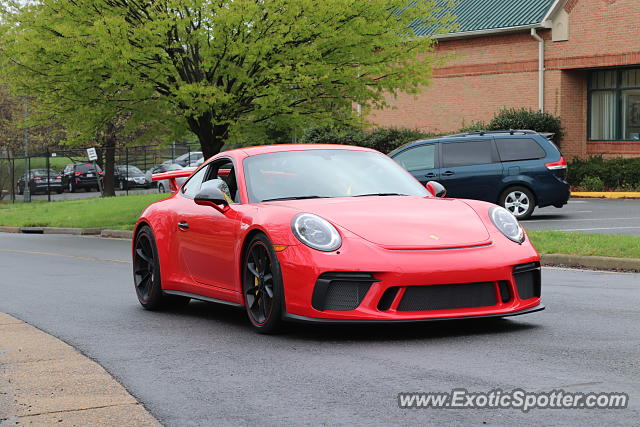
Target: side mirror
[214,193]
[437,189]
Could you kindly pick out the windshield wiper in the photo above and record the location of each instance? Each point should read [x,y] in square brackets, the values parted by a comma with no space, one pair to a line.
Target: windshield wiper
[380,194]
[293,198]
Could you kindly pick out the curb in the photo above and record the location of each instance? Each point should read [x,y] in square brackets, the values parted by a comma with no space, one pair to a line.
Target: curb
[47,382]
[606,194]
[117,234]
[53,230]
[595,262]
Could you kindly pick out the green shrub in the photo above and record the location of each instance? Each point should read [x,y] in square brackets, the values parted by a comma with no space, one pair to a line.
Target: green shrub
[618,173]
[523,118]
[592,183]
[381,139]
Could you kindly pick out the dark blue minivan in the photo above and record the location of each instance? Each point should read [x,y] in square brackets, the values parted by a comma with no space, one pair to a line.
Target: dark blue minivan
[516,169]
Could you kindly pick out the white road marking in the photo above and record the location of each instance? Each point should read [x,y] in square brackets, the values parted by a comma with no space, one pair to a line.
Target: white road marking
[599,228]
[585,219]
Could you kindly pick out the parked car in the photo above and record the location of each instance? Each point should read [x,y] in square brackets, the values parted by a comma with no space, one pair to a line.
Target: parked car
[516,169]
[38,181]
[187,158]
[163,186]
[81,175]
[128,176]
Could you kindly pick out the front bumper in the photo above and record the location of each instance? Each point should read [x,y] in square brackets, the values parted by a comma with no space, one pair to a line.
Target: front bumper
[304,319]
[484,265]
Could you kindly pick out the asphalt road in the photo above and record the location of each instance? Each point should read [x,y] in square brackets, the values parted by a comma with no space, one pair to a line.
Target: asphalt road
[600,216]
[204,365]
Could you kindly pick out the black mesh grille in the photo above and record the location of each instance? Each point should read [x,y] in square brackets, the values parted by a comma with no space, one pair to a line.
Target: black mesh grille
[441,297]
[527,277]
[341,291]
[345,295]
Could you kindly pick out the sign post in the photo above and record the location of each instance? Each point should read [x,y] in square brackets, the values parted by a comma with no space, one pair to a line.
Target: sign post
[93,157]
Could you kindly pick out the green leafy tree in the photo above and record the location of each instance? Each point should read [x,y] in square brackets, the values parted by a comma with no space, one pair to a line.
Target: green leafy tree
[223,65]
[74,83]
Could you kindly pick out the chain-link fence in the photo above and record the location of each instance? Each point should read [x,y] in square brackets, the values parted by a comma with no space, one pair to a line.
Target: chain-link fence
[68,174]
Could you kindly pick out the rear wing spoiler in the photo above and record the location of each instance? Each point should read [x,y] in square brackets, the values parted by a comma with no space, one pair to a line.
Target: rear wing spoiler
[172,177]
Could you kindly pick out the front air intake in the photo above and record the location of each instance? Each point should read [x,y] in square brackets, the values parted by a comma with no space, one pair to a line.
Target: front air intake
[341,291]
[527,278]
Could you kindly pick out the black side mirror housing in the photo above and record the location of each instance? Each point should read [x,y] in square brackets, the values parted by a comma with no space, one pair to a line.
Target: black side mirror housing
[212,193]
[437,189]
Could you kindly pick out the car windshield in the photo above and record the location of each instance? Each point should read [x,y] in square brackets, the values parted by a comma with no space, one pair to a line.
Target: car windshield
[130,169]
[86,167]
[172,167]
[326,173]
[43,172]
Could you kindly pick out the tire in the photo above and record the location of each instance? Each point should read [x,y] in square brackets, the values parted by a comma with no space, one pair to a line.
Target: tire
[20,190]
[121,185]
[520,201]
[72,188]
[262,288]
[161,188]
[60,190]
[146,274]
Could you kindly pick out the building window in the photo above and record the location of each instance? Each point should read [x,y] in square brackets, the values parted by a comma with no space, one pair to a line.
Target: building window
[614,105]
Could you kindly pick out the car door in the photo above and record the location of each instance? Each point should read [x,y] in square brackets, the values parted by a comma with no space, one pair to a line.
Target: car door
[470,169]
[421,161]
[207,237]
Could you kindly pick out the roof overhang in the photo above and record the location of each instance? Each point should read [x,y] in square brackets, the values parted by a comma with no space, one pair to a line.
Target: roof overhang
[492,31]
[546,23]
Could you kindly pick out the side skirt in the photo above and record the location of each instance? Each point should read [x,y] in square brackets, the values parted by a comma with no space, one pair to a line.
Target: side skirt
[202,298]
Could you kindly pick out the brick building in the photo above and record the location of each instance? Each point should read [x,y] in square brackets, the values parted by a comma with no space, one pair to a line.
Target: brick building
[579,59]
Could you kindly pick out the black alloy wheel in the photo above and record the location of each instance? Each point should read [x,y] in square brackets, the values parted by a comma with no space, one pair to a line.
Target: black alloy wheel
[262,285]
[146,274]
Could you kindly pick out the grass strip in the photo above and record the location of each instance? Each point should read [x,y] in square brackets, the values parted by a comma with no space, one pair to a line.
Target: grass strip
[610,245]
[119,213]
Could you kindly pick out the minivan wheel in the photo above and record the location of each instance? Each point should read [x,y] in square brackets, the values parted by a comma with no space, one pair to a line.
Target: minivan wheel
[519,201]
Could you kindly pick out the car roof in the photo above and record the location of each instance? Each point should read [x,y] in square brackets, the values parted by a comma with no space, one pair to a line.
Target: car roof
[280,148]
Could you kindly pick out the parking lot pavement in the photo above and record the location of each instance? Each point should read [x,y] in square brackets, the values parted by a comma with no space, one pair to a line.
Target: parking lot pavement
[82,194]
[599,216]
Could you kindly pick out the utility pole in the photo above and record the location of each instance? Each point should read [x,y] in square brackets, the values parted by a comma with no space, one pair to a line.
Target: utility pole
[27,165]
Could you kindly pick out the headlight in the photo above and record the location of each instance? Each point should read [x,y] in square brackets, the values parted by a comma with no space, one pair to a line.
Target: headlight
[506,223]
[316,232]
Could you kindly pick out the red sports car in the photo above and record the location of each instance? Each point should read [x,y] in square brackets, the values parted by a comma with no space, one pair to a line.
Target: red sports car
[327,233]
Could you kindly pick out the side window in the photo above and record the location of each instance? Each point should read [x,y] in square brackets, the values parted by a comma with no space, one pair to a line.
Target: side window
[511,149]
[467,153]
[225,171]
[192,187]
[418,158]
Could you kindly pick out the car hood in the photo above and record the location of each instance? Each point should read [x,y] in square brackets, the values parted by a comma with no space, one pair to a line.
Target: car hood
[403,222]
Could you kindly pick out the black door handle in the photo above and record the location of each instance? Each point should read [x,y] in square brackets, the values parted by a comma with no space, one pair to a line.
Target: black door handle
[430,175]
[183,225]
[448,173]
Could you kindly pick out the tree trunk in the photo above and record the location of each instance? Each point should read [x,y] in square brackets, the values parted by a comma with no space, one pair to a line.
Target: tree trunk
[211,136]
[109,145]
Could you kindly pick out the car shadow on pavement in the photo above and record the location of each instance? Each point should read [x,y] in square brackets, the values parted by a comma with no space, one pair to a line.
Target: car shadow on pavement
[237,318]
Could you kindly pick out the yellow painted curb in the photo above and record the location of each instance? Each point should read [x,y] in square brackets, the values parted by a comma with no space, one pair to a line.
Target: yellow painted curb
[607,194]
